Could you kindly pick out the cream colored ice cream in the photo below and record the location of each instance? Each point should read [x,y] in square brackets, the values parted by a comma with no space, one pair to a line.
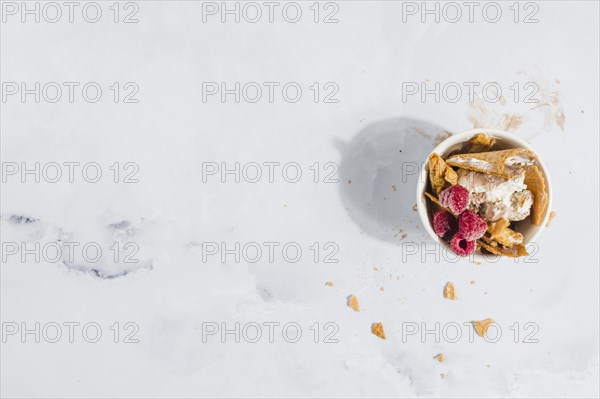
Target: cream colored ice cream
[495,197]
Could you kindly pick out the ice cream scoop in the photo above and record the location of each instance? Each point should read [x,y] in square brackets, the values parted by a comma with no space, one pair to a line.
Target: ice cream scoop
[494,197]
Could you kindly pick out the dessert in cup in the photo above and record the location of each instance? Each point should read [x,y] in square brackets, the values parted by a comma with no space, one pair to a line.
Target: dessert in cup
[485,192]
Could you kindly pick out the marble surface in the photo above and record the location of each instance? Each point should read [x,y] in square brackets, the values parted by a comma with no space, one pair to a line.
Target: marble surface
[206,252]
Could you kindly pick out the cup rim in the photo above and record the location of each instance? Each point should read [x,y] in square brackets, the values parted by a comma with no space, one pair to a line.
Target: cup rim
[462,137]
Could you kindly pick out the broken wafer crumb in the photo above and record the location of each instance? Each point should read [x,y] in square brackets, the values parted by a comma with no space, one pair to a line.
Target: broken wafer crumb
[472,282]
[449,292]
[480,143]
[550,217]
[442,375]
[496,249]
[496,228]
[377,329]
[534,179]
[450,175]
[440,173]
[435,202]
[440,357]
[504,235]
[482,326]
[353,303]
[497,163]
[329,284]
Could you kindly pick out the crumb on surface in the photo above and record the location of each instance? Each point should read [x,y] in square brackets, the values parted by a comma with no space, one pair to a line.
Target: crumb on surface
[353,303]
[550,217]
[377,329]
[449,292]
[482,326]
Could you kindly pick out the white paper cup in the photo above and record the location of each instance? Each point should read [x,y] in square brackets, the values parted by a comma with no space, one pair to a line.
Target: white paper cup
[504,140]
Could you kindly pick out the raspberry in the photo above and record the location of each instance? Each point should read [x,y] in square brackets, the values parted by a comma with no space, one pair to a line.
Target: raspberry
[455,198]
[471,226]
[461,246]
[443,222]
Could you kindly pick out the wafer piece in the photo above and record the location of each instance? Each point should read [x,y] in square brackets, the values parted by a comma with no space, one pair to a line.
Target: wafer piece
[440,357]
[377,329]
[353,303]
[479,143]
[509,237]
[500,232]
[504,163]
[436,202]
[496,228]
[482,326]
[449,292]
[433,199]
[537,185]
[550,218]
[450,175]
[513,252]
[437,167]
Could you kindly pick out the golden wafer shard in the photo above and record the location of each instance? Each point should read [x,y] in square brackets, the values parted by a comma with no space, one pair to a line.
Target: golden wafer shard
[433,199]
[503,163]
[377,329]
[482,326]
[509,238]
[440,357]
[437,170]
[449,292]
[353,303]
[480,143]
[550,218]
[501,233]
[493,247]
[534,179]
[450,175]
[436,202]
[496,228]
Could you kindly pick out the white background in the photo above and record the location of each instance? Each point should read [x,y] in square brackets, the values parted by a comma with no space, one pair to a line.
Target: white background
[371,133]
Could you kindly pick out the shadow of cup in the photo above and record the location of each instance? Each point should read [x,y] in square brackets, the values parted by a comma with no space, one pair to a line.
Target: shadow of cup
[378,176]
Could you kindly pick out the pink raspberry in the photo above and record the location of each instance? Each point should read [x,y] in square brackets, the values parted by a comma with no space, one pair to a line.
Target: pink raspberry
[443,222]
[471,226]
[455,198]
[461,246]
